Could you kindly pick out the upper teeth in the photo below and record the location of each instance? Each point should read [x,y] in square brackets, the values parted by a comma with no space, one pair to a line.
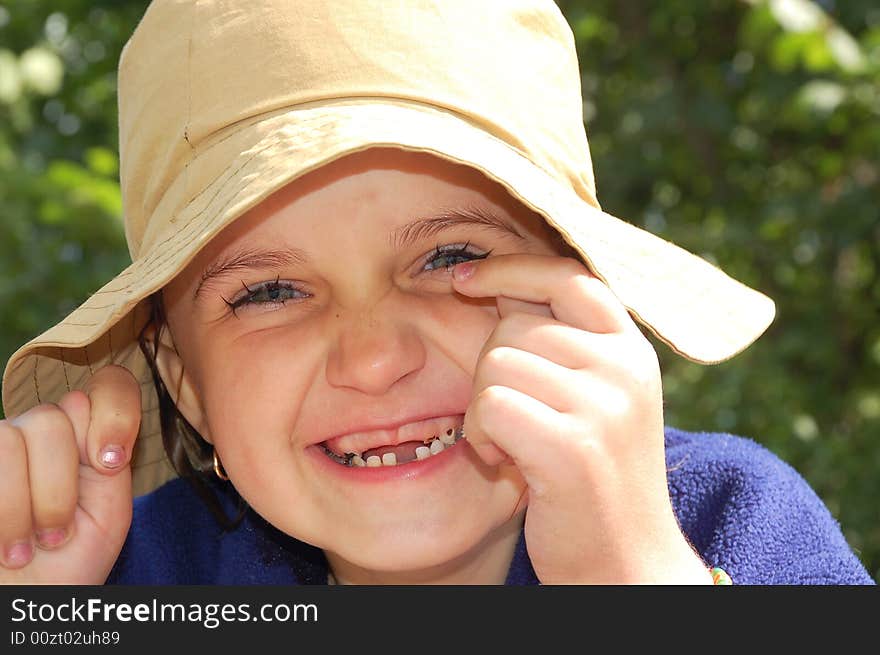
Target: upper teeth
[433,447]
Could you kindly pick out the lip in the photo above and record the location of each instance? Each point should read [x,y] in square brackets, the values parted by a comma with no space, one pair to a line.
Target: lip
[409,471]
[389,429]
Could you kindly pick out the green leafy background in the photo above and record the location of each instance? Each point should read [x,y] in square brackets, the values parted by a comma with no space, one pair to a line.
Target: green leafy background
[746,131]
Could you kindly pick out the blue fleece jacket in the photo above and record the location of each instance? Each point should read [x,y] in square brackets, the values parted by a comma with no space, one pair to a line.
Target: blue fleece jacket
[740,506]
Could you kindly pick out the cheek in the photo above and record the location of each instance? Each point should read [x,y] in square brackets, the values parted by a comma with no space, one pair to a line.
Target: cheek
[255,387]
[459,324]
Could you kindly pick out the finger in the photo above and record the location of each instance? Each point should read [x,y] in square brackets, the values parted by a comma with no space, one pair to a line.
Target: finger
[105,499]
[574,295]
[554,385]
[78,407]
[15,499]
[53,471]
[508,306]
[521,427]
[624,357]
[554,340]
[115,398]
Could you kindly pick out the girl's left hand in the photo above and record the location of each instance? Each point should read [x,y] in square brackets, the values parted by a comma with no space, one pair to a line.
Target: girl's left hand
[568,388]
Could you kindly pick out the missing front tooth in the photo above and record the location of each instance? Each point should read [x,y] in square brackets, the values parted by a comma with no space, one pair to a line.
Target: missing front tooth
[355,459]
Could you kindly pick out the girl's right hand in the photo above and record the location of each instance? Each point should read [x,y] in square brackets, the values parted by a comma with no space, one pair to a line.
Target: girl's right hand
[65,483]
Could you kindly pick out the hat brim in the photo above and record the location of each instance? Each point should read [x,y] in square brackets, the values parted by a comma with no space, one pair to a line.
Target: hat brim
[691,305]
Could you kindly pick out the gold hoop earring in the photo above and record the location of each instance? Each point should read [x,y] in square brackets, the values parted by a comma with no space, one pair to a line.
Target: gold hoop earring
[218,467]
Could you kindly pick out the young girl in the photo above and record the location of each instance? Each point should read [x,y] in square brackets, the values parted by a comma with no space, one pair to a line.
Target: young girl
[384,330]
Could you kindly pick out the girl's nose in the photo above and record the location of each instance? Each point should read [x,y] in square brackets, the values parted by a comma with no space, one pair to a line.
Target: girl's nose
[374,354]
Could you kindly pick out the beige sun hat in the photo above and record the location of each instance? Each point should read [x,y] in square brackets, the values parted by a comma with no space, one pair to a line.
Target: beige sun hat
[222,102]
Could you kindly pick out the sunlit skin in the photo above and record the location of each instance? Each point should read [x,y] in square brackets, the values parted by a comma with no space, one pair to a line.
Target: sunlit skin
[375,332]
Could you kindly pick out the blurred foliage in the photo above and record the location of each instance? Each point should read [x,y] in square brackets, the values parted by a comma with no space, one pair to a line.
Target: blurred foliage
[746,131]
[60,208]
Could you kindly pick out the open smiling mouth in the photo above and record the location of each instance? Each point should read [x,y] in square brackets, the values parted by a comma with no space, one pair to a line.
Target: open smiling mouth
[402,453]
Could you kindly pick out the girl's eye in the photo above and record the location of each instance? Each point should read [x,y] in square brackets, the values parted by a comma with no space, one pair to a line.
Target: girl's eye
[265,293]
[450,255]
[278,293]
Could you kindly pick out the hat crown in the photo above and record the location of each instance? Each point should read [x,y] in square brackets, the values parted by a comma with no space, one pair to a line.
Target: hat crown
[193,68]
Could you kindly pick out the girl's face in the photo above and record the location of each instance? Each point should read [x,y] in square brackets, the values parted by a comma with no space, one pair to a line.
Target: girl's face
[327,311]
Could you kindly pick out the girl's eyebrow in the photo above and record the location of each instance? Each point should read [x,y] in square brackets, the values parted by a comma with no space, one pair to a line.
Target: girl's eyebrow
[273,259]
[423,228]
[248,259]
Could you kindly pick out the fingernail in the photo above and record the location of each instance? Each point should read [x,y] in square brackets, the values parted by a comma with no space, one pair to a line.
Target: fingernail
[19,554]
[112,456]
[464,271]
[52,537]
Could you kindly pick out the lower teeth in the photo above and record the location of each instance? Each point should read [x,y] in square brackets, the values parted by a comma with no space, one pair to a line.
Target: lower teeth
[435,446]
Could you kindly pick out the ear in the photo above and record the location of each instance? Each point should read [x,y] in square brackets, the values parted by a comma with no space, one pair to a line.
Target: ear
[179,383]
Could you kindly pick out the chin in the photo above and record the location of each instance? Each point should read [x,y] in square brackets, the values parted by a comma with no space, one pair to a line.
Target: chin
[424,548]
[414,552]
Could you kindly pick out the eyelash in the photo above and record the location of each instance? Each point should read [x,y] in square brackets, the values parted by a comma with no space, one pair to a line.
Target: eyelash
[274,288]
